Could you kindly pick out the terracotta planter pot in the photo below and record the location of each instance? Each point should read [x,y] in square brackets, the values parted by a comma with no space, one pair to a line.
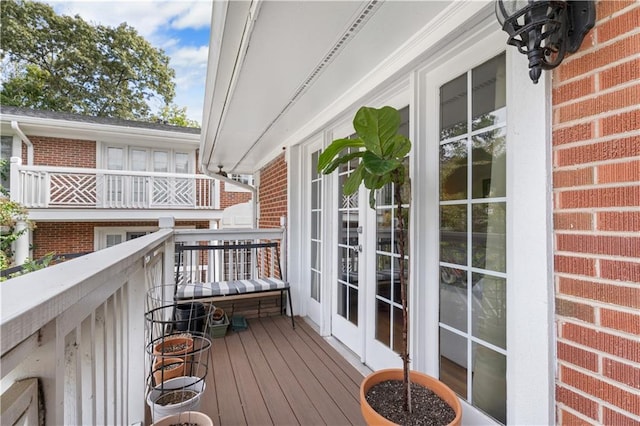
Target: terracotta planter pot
[191,417]
[161,373]
[173,346]
[371,417]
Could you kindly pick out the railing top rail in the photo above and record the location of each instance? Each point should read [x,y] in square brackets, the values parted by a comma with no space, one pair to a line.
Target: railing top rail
[30,301]
[191,235]
[180,248]
[85,170]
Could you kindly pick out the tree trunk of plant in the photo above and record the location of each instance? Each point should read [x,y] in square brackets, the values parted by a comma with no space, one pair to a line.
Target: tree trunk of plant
[401,229]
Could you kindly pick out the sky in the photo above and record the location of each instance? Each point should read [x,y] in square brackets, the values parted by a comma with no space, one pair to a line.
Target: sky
[179,27]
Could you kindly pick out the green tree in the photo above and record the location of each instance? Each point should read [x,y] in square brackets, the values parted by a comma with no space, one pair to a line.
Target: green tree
[63,63]
[175,115]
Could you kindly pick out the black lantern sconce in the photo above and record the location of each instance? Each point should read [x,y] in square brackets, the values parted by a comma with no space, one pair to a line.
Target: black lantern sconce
[545,30]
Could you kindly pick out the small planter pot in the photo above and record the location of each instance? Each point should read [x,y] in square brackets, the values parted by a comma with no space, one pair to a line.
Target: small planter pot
[167,368]
[371,417]
[188,417]
[176,396]
[217,317]
[173,346]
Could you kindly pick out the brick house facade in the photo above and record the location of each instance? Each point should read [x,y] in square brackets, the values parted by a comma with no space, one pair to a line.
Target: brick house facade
[70,159]
[596,194]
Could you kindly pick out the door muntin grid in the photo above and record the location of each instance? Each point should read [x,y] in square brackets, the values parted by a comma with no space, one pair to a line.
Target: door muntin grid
[473,208]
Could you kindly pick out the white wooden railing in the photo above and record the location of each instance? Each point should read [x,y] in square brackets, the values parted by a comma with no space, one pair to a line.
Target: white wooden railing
[77,330]
[47,186]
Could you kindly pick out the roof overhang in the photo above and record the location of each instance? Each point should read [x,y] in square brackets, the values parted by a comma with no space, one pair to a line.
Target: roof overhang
[277,66]
[53,127]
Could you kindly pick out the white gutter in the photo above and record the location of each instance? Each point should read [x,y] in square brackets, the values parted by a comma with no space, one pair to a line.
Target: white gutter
[25,139]
[213,124]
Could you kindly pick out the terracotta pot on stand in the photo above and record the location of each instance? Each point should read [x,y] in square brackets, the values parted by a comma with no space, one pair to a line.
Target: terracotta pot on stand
[371,417]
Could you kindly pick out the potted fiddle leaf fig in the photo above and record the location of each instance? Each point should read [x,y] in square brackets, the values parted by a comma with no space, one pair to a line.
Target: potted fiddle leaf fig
[381,151]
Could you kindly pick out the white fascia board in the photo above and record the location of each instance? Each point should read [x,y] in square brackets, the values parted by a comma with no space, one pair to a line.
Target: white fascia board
[38,126]
[101,215]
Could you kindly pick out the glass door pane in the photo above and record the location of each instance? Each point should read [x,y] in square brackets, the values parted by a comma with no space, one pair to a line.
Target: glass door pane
[138,159]
[348,247]
[473,208]
[388,324]
[114,184]
[316,229]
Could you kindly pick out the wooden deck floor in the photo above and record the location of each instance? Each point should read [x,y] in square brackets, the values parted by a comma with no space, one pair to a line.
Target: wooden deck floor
[271,374]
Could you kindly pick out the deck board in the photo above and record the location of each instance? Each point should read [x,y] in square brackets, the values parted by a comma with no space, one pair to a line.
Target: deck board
[273,374]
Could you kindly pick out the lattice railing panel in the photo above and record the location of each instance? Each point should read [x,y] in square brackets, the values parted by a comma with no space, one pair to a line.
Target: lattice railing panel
[76,190]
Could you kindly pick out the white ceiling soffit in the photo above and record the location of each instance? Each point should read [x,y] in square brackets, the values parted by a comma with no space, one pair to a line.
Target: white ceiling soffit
[274,65]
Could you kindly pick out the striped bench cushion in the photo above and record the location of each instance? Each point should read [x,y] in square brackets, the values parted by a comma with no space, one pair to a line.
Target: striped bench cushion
[228,288]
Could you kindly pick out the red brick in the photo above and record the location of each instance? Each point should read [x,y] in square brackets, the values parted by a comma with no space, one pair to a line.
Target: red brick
[620,270]
[618,25]
[610,150]
[567,418]
[619,74]
[623,321]
[606,102]
[615,418]
[49,151]
[273,192]
[577,356]
[606,293]
[619,221]
[576,133]
[620,372]
[568,308]
[574,90]
[607,8]
[78,237]
[621,123]
[628,171]
[600,197]
[619,397]
[577,402]
[601,341]
[599,244]
[573,221]
[574,265]
[598,58]
[571,178]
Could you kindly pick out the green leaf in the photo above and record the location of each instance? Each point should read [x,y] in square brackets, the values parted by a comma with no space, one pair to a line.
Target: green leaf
[335,148]
[379,166]
[397,147]
[376,126]
[341,160]
[372,199]
[354,180]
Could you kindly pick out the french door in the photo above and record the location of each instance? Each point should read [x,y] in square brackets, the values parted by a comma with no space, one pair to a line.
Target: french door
[346,322]
[367,310]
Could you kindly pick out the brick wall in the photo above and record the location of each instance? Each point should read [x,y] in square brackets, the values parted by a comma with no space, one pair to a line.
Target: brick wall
[61,152]
[272,193]
[230,198]
[78,237]
[596,189]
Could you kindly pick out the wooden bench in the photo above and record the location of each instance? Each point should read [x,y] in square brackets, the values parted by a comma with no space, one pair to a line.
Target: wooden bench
[214,272]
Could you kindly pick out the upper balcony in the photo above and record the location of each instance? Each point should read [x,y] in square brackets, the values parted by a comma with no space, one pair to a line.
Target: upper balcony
[47,190]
